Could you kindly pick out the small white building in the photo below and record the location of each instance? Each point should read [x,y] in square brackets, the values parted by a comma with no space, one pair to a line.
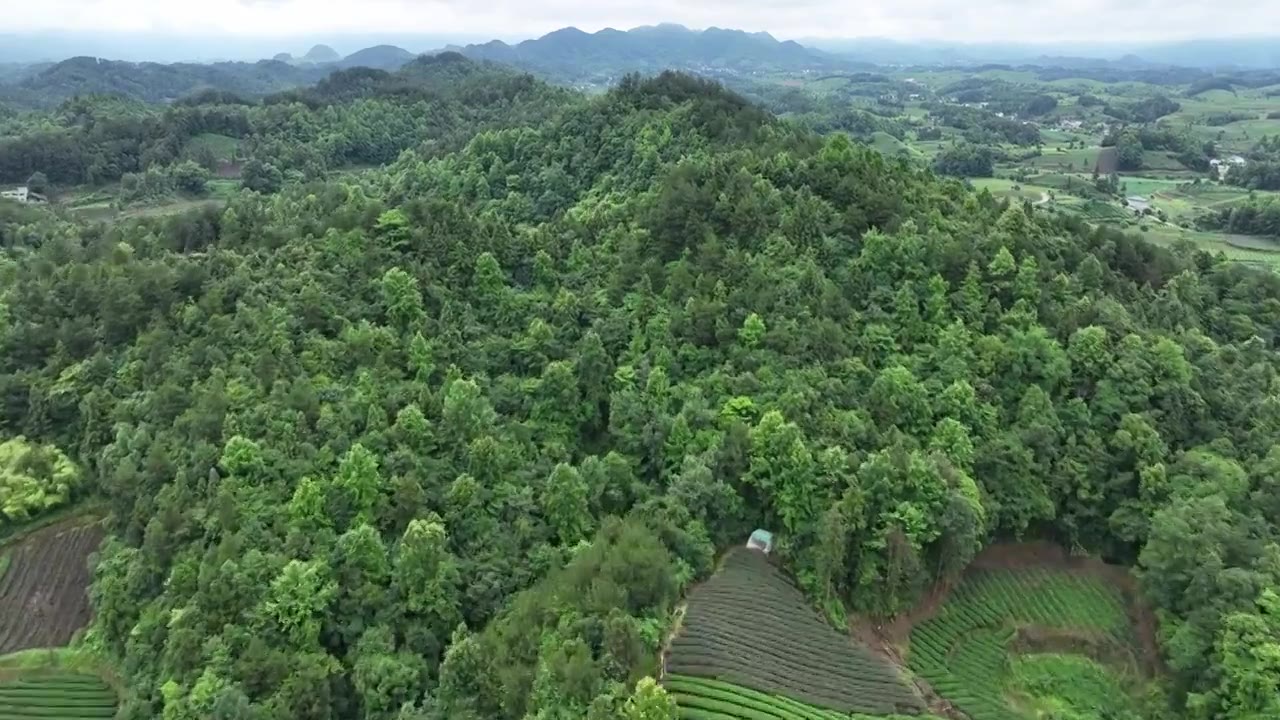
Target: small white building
[1138,205]
[22,195]
[1223,166]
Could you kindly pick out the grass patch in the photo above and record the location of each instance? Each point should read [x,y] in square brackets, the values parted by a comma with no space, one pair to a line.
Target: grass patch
[1002,188]
[1161,160]
[223,188]
[1146,186]
[170,207]
[1066,160]
[222,147]
[1055,685]
[72,659]
[891,146]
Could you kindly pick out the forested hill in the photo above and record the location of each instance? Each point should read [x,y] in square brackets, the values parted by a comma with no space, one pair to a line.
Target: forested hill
[360,116]
[572,55]
[153,82]
[382,57]
[449,439]
[564,56]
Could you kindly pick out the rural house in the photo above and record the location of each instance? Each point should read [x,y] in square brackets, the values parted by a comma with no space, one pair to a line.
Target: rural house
[22,195]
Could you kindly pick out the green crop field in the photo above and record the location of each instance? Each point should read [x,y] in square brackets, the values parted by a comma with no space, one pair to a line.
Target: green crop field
[1068,160]
[1145,186]
[56,697]
[703,699]
[1001,188]
[966,650]
[749,625]
[1260,252]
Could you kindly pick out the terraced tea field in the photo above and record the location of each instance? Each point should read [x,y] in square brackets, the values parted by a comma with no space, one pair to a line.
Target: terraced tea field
[56,697]
[43,592]
[703,699]
[965,651]
[751,627]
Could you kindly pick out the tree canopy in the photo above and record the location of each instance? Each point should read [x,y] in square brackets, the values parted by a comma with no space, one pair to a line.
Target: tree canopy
[449,438]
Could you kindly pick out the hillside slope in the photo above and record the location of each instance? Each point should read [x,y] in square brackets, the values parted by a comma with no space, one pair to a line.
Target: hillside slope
[450,438]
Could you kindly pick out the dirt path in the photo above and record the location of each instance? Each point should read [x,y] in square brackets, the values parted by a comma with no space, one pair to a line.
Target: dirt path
[881,638]
[677,623]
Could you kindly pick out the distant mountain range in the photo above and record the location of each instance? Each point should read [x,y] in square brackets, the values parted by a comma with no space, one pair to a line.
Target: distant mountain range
[38,47]
[1205,54]
[573,55]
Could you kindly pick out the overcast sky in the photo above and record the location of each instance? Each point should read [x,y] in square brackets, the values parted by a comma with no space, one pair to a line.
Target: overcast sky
[954,20]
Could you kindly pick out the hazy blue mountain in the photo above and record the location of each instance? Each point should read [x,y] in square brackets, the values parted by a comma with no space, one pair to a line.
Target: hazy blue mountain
[52,46]
[153,82]
[570,54]
[382,57]
[1207,53]
[321,54]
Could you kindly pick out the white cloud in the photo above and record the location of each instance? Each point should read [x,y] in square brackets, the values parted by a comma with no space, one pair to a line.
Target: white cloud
[956,20]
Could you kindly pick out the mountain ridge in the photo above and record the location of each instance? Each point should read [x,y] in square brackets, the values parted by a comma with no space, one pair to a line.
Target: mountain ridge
[574,55]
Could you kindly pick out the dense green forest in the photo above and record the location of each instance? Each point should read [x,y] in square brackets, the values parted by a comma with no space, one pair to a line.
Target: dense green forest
[359,116]
[449,439]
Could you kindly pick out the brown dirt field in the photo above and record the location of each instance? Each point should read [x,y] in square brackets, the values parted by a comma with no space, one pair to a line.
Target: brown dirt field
[228,169]
[43,596]
[892,636]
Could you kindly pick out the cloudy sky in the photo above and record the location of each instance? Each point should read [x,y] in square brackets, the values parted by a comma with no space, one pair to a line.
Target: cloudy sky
[954,20]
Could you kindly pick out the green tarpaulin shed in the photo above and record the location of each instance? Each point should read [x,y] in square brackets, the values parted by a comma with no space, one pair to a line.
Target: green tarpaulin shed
[761,540]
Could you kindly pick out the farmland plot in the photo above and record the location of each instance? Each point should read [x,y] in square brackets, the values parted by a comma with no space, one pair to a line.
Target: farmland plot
[56,697]
[966,650]
[748,625]
[43,598]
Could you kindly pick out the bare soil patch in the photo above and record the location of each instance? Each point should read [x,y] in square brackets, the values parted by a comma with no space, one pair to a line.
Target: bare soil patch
[44,594]
[228,169]
[1095,645]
